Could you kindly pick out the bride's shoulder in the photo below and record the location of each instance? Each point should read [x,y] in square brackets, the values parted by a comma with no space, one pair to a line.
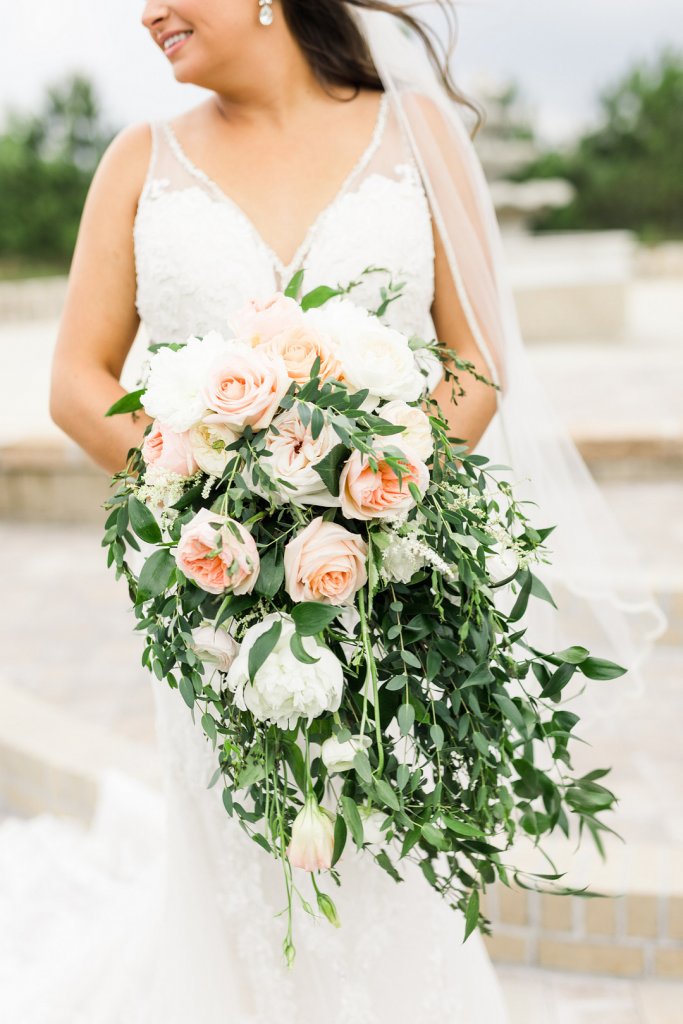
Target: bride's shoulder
[127,156]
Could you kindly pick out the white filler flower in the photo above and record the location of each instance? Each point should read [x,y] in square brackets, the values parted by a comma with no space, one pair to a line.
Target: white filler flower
[285,689]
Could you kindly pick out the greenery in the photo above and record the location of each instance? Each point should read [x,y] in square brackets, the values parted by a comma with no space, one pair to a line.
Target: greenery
[46,164]
[468,745]
[627,172]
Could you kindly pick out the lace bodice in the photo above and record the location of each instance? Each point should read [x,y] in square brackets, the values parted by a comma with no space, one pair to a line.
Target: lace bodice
[199,257]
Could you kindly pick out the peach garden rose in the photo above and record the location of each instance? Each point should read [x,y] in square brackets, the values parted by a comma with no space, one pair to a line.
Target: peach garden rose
[167,449]
[368,493]
[214,557]
[325,562]
[300,346]
[261,320]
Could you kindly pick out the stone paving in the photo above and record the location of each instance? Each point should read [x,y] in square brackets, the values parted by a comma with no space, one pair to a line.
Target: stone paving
[548,997]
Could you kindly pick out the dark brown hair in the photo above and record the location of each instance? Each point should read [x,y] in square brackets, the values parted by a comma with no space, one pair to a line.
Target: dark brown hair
[337,52]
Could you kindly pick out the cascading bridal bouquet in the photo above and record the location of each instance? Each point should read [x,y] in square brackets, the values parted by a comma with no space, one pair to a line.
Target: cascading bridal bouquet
[323,588]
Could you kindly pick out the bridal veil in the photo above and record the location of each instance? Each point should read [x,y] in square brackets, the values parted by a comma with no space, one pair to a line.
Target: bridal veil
[595,577]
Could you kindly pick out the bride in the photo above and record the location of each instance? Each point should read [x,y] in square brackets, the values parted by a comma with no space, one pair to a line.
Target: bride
[329,142]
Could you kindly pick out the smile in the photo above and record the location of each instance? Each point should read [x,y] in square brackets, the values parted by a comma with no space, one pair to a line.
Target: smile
[174,42]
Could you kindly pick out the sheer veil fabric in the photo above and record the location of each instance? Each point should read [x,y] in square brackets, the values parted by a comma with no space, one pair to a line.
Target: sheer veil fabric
[595,575]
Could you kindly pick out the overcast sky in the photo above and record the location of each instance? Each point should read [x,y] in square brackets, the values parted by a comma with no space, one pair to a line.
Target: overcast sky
[562,52]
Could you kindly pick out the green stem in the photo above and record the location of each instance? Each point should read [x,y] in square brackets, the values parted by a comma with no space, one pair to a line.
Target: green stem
[372,669]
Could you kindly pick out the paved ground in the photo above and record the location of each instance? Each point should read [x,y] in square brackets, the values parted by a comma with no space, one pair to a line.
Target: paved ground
[546,997]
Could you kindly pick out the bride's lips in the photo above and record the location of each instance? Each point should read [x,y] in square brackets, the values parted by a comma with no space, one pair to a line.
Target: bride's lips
[172,42]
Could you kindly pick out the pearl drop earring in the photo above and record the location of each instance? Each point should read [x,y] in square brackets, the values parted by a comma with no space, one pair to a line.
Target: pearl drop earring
[265,12]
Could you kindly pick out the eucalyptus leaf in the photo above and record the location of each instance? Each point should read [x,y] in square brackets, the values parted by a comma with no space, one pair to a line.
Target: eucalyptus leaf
[262,647]
[311,617]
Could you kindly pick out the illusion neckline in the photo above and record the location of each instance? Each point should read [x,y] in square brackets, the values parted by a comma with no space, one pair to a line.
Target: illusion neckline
[285,270]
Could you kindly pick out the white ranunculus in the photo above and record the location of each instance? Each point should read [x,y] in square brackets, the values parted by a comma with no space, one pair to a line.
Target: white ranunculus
[214,647]
[285,689]
[177,378]
[294,455]
[338,757]
[208,442]
[372,825]
[418,433]
[372,355]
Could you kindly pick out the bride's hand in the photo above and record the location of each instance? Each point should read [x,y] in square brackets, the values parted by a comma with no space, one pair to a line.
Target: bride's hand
[100,320]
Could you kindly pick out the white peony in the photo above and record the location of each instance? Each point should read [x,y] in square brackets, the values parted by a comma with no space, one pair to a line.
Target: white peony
[294,454]
[418,433]
[338,757]
[176,381]
[216,648]
[209,442]
[285,689]
[372,355]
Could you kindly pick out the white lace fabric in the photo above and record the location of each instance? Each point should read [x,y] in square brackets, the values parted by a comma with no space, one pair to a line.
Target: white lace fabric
[199,257]
[164,910]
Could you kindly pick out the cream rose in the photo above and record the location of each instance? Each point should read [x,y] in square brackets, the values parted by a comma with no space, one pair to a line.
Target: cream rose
[218,554]
[299,347]
[167,449]
[372,355]
[418,433]
[294,455]
[261,321]
[367,493]
[325,562]
[216,648]
[244,388]
[209,443]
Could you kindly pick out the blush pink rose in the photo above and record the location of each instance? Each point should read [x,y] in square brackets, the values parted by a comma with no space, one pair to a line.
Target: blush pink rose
[218,554]
[169,450]
[300,346]
[326,563]
[244,388]
[261,321]
[367,493]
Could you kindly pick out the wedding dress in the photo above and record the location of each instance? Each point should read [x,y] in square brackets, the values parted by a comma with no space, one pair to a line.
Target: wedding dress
[164,912]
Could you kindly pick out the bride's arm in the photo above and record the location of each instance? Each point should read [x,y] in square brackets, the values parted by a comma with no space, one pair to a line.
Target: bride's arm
[472,414]
[100,321]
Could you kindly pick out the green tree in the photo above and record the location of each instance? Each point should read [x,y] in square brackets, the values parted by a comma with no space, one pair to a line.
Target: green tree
[628,173]
[46,164]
